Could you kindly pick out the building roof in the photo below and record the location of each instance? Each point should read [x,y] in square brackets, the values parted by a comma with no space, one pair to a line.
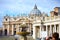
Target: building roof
[35,10]
[57,7]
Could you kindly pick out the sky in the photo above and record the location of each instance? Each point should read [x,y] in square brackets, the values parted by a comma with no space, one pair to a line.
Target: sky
[21,7]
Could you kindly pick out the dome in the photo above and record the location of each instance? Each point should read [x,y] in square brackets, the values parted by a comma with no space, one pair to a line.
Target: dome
[35,11]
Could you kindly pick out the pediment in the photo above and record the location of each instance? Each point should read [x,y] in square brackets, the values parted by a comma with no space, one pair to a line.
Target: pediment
[23,19]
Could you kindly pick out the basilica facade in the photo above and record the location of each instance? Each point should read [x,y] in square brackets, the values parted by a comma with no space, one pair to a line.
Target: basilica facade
[36,22]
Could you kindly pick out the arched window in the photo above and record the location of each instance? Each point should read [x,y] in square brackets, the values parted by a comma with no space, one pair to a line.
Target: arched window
[6,19]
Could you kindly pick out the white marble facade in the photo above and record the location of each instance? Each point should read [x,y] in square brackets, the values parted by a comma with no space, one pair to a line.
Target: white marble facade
[36,22]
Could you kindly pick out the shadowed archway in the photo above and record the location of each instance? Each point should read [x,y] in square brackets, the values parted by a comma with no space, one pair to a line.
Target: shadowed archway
[14,32]
[5,32]
[0,32]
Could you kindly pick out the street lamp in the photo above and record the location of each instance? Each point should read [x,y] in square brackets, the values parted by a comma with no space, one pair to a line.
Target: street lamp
[43,32]
[42,28]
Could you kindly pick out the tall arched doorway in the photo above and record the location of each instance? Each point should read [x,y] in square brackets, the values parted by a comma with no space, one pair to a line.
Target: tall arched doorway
[38,31]
[5,31]
[14,32]
[0,32]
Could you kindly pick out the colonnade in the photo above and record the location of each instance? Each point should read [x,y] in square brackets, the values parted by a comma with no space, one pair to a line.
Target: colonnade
[12,28]
[50,29]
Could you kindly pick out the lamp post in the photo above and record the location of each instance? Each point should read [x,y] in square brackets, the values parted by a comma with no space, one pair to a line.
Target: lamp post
[42,28]
[43,32]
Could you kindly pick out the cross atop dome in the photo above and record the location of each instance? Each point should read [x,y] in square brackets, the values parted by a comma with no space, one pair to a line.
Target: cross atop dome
[35,11]
[35,7]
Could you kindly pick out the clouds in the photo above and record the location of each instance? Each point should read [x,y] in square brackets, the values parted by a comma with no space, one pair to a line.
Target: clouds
[15,7]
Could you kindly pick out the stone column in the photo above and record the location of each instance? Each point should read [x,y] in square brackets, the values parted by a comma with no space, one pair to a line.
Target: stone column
[59,30]
[12,30]
[40,31]
[28,28]
[34,32]
[42,27]
[3,30]
[47,29]
[17,28]
[55,28]
[50,30]
[8,29]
